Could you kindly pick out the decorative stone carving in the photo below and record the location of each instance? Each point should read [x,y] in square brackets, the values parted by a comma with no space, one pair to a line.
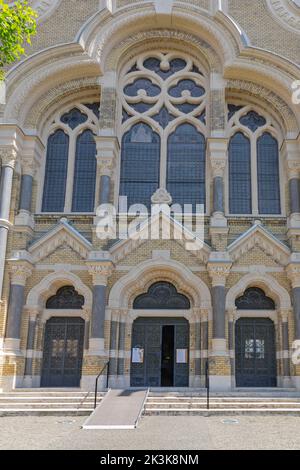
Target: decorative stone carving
[20,272]
[293,272]
[8,157]
[218,273]
[106,166]
[43,8]
[100,272]
[161,196]
[286,12]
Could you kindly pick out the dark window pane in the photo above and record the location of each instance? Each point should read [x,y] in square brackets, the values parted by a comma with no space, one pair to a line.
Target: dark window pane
[74,118]
[175,66]
[195,90]
[140,164]
[268,175]
[186,166]
[240,175]
[85,173]
[56,172]
[253,120]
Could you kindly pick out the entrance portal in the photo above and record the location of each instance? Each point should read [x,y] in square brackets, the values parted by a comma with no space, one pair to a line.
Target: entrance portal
[160,352]
[255,353]
[63,352]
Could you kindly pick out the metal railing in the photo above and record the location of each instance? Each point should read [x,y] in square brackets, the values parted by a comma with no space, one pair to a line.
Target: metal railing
[97,379]
[207,384]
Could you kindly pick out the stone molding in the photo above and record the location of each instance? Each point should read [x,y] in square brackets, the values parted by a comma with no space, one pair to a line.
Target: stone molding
[20,272]
[8,157]
[100,272]
[285,12]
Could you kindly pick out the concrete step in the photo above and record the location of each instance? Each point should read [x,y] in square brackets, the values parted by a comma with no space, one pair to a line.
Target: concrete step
[48,402]
[222,411]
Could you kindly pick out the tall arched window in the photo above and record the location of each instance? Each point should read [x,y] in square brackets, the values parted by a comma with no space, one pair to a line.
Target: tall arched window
[70,170]
[165,92]
[240,175]
[56,172]
[186,166]
[268,175]
[140,164]
[85,173]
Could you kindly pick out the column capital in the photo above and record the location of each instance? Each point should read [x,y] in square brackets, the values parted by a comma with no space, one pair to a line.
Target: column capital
[29,166]
[284,314]
[8,156]
[293,273]
[100,272]
[218,266]
[218,272]
[106,166]
[217,151]
[19,272]
[293,169]
[231,313]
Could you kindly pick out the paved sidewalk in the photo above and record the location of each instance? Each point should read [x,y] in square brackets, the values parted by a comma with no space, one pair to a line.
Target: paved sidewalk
[175,433]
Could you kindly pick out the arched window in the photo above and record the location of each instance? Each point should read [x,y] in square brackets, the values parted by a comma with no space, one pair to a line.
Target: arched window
[65,298]
[268,175]
[164,91]
[254,298]
[140,164]
[162,296]
[85,173]
[240,175]
[56,172]
[186,166]
[71,167]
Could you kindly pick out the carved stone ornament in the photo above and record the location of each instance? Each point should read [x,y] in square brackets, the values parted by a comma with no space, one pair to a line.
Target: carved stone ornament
[100,272]
[161,196]
[218,273]
[287,12]
[8,157]
[19,273]
[106,166]
[43,7]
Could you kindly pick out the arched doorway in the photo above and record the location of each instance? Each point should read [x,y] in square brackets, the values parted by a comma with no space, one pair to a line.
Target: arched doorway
[160,344]
[255,346]
[63,341]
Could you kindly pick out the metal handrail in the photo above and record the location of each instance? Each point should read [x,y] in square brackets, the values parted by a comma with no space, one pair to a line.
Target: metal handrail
[207,385]
[97,379]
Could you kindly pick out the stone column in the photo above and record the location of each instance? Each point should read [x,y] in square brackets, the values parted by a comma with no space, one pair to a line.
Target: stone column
[106,157]
[220,371]
[8,159]
[218,150]
[204,342]
[19,273]
[24,217]
[285,347]
[113,348]
[231,341]
[121,352]
[290,154]
[97,354]
[30,347]
[293,272]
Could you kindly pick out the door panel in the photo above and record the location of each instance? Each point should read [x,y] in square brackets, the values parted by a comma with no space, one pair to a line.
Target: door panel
[147,334]
[255,353]
[63,352]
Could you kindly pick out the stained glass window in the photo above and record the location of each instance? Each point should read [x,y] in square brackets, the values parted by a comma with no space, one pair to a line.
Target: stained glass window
[240,175]
[268,175]
[186,166]
[85,173]
[140,164]
[56,172]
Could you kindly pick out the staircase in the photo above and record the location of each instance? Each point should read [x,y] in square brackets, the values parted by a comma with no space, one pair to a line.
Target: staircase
[47,402]
[234,403]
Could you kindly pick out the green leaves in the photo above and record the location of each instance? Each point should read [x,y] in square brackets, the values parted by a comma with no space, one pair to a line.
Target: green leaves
[17,26]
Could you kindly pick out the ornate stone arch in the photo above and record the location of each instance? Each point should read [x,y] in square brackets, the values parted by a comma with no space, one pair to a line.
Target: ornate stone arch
[48,287]
[266,282]
[141,277]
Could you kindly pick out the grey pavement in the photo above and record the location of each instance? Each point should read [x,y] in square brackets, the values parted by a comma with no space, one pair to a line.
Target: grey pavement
[153,433]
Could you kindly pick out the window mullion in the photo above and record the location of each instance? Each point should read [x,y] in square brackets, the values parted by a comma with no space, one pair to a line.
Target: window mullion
[70,174]
[254,176]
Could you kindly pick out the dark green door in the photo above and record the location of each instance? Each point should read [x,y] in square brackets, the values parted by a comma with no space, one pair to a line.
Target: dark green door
[255,353]
[164,342]
[63,352]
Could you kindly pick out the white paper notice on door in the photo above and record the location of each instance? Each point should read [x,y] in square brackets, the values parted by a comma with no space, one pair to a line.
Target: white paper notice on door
[137,356]
[181,356]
